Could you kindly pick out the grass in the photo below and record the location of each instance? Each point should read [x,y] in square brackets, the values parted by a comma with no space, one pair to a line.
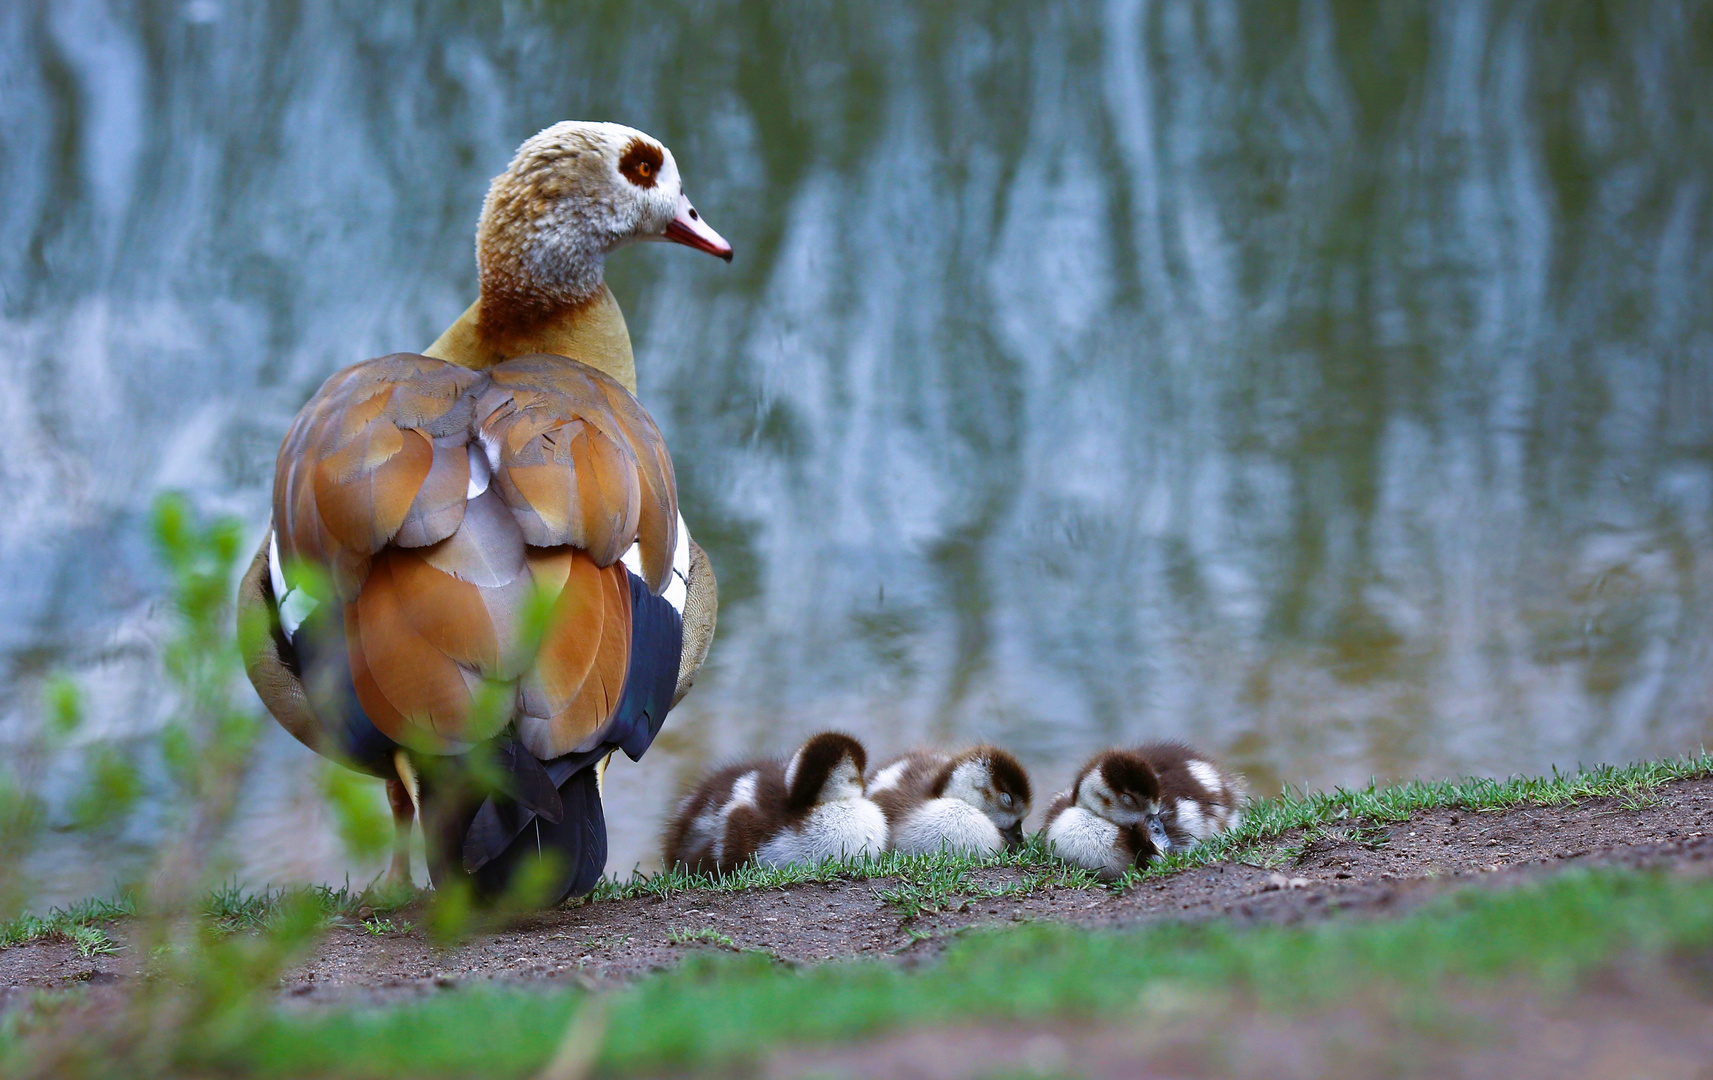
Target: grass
[228,909]
[1353,813]
[82,924]
[720,1009]
[705,936]
[937,874]
[1273,833]
[725,1007]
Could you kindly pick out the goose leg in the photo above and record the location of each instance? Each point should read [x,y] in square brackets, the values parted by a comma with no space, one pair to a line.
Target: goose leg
[404,812]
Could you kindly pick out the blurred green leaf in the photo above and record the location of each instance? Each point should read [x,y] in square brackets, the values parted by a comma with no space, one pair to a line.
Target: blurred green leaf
[364,823]
[111,790]
[65,706]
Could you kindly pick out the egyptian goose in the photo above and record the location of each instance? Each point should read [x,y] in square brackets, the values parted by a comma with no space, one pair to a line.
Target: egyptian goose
[1198,799]
[1108,821]
[973,802]
[804,810]
[421,502]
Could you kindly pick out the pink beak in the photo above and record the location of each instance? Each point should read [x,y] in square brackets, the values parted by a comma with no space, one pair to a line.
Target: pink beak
[689,229]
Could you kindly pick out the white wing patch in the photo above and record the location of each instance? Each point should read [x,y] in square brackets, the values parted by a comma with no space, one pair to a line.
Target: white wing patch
[889,777]
[678,582]
[1207,776]
[293,605]
[1191,819]
[708,829]
[480,473]
[743,793]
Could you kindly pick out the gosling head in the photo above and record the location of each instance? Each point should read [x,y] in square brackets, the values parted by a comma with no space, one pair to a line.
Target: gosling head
[992,781]
[827,768]
[1120,787]
[575,192]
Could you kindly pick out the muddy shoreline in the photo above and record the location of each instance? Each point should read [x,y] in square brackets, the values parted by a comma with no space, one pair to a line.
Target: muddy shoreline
[1354,869]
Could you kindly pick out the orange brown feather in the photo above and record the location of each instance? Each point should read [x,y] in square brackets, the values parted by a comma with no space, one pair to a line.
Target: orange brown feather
[373,483]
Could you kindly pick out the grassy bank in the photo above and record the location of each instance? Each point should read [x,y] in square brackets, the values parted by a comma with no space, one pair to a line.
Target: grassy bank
[1273,830]
[723,1007]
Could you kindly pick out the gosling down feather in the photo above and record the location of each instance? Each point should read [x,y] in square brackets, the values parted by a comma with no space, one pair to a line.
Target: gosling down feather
[973,803]
[776,812]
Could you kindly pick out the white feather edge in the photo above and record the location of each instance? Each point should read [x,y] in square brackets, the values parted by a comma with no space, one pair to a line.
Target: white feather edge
[678,584]
[293,605]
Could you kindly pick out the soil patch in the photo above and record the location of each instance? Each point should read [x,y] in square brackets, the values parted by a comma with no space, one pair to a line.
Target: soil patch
[1352,868]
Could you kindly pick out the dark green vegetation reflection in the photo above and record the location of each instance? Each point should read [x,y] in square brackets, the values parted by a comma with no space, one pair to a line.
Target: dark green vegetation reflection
[1330,384]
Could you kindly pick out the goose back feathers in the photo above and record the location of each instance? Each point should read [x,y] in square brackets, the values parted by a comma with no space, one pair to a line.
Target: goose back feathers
[438,499]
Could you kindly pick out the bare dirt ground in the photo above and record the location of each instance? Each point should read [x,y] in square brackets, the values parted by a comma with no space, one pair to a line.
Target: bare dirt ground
[1350,870]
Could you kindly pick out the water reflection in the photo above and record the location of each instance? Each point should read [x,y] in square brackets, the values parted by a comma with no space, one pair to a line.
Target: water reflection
[1332,386]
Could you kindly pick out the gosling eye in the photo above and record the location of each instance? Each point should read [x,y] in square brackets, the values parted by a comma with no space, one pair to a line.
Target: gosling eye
[1129,801]
[1005,799]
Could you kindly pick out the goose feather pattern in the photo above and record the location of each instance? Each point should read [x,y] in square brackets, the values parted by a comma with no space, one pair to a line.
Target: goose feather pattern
[434,566]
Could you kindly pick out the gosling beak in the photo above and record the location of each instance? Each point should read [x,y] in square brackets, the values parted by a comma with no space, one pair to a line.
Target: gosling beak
[1013,836]
[689,229]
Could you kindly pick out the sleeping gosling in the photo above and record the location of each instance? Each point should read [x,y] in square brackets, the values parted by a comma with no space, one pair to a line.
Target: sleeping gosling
[1109,819]
[1198,799]
[973,803]
[804,810]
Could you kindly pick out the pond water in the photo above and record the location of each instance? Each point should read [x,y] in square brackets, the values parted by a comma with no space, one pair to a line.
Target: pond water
[1330,387]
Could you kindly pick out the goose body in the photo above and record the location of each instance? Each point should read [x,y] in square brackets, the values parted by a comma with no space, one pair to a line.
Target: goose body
[973,802]
[422,503]
[807,809]
[1108,820]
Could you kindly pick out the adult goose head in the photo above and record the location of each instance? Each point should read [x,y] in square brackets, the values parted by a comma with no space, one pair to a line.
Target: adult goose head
[437,493]
[573,194]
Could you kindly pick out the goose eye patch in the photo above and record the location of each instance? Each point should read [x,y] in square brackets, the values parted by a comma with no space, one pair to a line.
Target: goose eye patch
[641,163]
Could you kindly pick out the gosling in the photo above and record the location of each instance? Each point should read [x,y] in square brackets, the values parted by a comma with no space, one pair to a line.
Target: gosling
[804,810]
[1198,799]
[1109,820]
[973,803]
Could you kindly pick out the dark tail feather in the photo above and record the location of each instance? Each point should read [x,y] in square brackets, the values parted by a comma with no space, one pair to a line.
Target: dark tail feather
[459,825]
[578,842]
[526,781]
[500,820]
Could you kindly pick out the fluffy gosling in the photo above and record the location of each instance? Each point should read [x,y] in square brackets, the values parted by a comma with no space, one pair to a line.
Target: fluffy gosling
[776,812]
[973,802]
[1198,799]
[1109,819]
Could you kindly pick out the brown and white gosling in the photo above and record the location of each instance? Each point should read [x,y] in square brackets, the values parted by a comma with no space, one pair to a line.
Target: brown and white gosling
[1109,820]
[973,802]
[1130,806]
[776,812]
[1198,799]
